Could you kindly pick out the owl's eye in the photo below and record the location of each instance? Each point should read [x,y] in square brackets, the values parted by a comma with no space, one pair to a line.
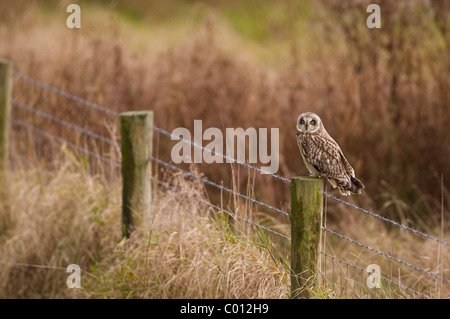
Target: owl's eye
[302,121]
[312,122]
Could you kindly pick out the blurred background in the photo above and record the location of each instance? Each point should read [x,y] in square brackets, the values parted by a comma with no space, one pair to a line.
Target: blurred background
[383,94]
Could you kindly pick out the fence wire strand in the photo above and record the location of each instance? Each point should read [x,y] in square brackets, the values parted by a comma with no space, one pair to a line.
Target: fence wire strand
[231,214]
[387,220]
[365,271]
[429,273]
[64,94]
[32,265]
[64,123]
[228,158]
[63,141]
[207,181]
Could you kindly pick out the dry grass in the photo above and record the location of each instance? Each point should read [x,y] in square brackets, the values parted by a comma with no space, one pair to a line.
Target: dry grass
[58,218]
[188,253]
[383,94]
[404,245]
[53,219]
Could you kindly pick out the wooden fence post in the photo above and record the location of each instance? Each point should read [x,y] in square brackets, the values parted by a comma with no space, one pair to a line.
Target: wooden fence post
[136,134]
[306,234]
[5,111]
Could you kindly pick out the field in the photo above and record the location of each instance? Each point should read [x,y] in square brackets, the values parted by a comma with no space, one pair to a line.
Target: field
[382,94]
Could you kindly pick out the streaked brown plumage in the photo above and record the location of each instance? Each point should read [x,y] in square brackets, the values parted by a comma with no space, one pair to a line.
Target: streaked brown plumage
[323,156]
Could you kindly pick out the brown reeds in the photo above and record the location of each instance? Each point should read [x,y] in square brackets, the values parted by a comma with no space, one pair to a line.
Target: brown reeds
[383,95]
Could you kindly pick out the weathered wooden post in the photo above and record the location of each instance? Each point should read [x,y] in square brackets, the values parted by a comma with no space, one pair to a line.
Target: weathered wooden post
[5,111]
[306,234]
[136,134]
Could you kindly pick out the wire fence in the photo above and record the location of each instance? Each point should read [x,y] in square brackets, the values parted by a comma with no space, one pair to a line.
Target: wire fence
[341,278]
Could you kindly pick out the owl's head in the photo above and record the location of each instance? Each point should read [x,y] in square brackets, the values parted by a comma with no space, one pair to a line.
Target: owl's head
[308,122]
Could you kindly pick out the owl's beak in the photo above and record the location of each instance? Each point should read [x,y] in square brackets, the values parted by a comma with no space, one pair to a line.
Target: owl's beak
[306,127]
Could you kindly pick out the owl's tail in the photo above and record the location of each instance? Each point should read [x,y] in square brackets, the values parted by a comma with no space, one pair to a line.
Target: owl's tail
[355,186]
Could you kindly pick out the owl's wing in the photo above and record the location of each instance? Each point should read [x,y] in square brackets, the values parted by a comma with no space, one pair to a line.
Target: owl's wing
[346,164]
[326,157]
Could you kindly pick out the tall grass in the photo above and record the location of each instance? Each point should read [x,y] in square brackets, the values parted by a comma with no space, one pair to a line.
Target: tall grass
[187,250]
[381,93]
[68,216]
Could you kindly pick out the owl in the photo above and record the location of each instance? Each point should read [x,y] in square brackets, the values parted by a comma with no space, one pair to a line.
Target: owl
[323,156]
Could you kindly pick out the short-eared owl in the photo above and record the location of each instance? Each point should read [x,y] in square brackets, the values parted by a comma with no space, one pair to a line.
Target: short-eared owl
[323,156]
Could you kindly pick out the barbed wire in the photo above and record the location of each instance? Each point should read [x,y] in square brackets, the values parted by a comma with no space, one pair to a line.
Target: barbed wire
[387,220]
[37,266]
[32,265]
[233,215]
[207,181]
[228,158]
[63,141]
[64,123]
[429,273]
[65,94]
[382,277]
